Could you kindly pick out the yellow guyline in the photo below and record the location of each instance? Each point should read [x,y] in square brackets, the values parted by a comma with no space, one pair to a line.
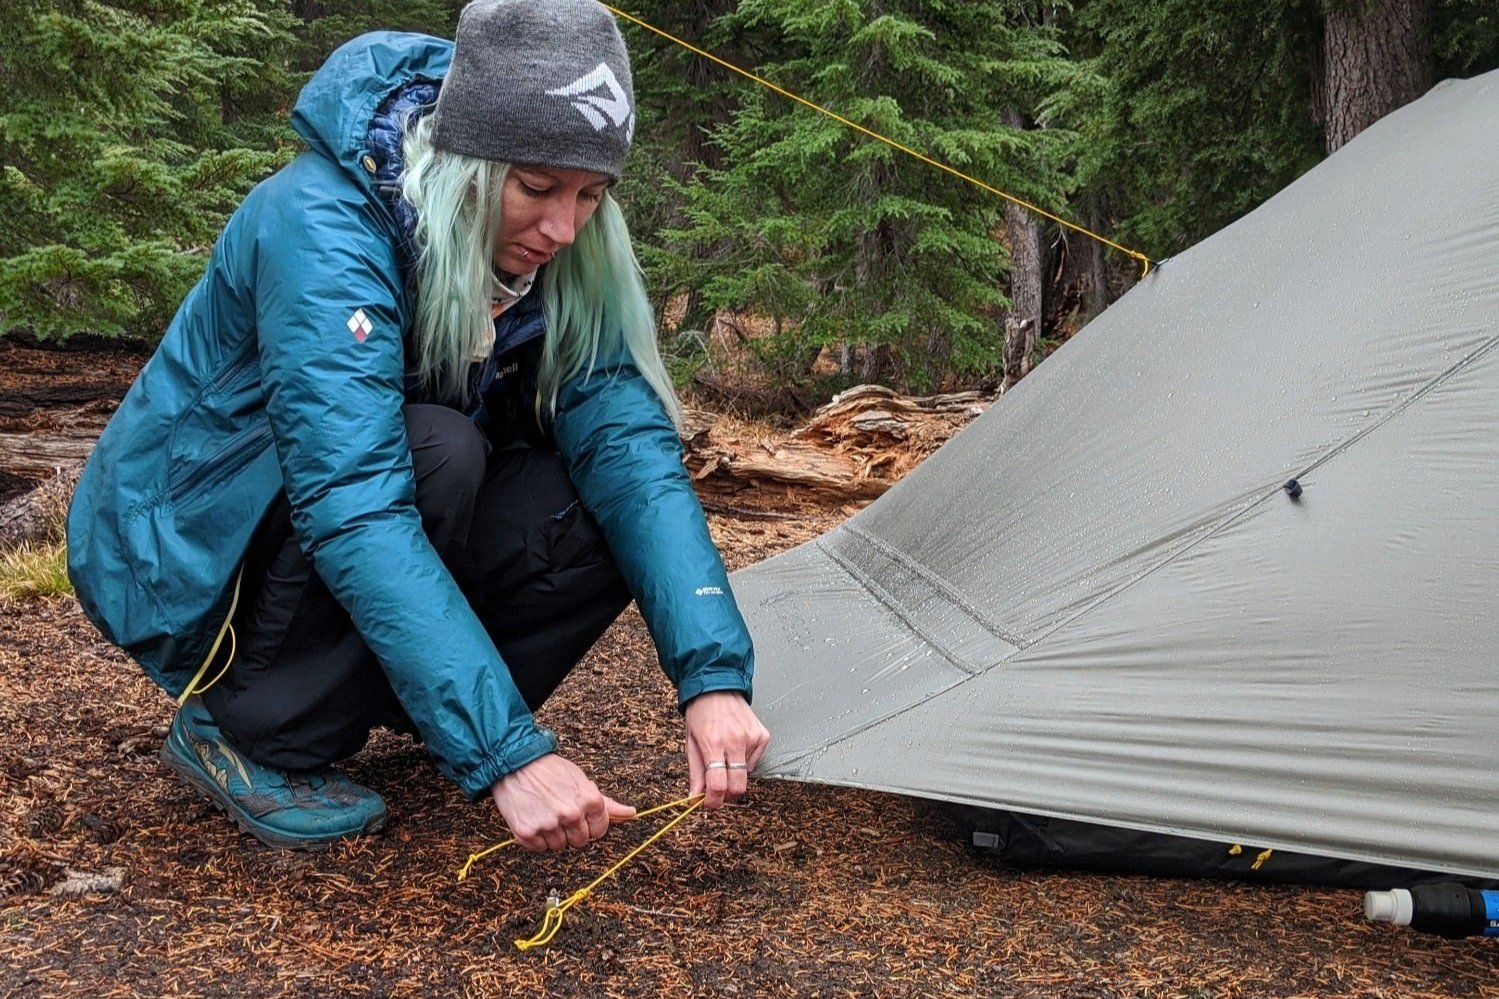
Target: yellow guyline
[556,908]
[1145,261]
[226,628]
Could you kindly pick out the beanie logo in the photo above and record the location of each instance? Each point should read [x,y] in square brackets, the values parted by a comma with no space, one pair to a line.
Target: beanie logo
[598,97]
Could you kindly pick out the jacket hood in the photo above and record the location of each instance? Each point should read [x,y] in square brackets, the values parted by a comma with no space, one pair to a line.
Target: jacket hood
[334,111]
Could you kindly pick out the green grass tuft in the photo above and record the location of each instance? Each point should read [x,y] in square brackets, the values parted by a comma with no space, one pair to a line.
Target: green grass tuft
[35,570]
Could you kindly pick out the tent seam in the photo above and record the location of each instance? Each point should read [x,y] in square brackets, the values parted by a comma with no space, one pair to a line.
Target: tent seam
[936,582]
[888,601]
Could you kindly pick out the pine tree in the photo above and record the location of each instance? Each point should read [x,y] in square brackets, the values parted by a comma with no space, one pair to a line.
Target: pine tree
[133,128]
[123,151]
[1193,112]
[844,242]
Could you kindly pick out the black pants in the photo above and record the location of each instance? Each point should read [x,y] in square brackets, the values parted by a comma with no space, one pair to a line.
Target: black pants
[304,690]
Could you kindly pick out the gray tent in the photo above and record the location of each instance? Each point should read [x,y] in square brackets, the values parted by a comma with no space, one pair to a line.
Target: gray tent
[1100,602]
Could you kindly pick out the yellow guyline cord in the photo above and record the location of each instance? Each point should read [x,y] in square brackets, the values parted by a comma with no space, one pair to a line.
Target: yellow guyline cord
[1145,262]
[226,628]
[555,907]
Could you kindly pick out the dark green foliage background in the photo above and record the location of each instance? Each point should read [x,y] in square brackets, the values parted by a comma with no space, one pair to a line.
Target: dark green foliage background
[129,131]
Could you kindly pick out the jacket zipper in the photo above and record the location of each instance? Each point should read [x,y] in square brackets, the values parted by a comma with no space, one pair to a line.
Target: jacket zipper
[236,368]
[231,449]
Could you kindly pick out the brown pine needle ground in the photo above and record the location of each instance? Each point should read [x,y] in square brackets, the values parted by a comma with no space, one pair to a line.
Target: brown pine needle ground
[805,891]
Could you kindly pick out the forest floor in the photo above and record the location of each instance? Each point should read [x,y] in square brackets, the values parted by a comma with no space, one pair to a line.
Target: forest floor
[804,890]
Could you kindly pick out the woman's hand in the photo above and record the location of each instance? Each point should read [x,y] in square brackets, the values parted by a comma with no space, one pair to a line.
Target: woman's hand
[550,804]
[724,743]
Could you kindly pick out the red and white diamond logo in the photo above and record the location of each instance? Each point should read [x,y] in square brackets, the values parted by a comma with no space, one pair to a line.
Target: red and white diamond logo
[359,325]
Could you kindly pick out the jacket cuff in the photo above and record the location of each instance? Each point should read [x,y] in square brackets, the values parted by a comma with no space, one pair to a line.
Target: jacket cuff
[709,680]
[516,754]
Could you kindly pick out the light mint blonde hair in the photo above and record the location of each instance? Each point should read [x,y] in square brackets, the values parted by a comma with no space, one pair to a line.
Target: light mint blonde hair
[592,292]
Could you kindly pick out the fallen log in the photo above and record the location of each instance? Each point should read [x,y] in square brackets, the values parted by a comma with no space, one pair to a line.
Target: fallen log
[39,455]
[37,515]
[855,447]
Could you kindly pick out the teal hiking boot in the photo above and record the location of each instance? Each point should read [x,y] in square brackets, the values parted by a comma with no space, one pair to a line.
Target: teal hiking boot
[285,809]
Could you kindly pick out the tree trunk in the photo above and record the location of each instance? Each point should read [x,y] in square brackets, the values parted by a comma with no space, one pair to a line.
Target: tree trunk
[871,267]
[1376,57]
[703,77]
[876,363]
[695,146]
[1027,280]
[38,515]
[1098,271]
[874,250]
[696,315]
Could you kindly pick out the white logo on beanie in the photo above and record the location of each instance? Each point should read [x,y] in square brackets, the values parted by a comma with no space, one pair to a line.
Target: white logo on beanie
[613,102]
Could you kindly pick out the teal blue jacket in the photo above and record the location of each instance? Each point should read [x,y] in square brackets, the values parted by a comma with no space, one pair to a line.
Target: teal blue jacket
[284,369]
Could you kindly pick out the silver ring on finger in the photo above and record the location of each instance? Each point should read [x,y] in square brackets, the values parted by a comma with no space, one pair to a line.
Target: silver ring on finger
[738,766]
[718,765]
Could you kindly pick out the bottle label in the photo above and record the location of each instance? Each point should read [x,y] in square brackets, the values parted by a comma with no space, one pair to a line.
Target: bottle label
[1491,913]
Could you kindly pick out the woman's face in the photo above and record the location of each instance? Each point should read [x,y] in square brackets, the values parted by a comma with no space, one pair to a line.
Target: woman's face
[542,210]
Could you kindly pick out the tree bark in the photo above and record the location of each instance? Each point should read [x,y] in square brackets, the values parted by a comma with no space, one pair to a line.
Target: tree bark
[37,456]
[1098,271]
[856,447]
[1027,280]
[696,149]
[874,250]
[38,515]
[1376,57]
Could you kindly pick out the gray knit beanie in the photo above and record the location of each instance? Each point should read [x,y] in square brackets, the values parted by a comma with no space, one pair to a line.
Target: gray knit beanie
[541,82]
